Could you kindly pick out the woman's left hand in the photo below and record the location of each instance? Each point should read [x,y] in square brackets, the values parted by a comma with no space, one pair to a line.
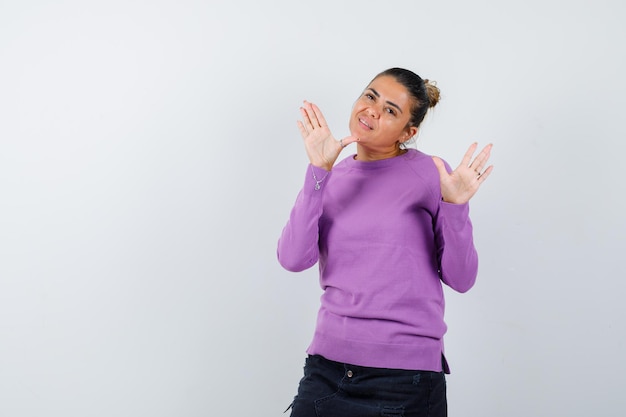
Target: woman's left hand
[461,184]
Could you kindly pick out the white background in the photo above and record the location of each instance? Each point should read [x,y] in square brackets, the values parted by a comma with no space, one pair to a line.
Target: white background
[149,158]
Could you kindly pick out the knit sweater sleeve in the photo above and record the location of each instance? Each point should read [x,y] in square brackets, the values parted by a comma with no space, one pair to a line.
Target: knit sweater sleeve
[458,259]
[298,247]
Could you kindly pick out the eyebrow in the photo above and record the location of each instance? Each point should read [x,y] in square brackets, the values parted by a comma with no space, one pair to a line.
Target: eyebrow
[388,102]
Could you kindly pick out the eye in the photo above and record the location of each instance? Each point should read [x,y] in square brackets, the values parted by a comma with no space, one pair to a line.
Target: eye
[369,96]
[390,111]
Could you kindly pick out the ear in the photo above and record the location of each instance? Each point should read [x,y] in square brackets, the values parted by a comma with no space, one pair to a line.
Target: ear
[409,132]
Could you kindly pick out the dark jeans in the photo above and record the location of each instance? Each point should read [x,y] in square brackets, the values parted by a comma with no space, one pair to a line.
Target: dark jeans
[333,389]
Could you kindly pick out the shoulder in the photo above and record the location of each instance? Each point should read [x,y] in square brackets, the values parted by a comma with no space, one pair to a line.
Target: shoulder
[422,164]
[424,170]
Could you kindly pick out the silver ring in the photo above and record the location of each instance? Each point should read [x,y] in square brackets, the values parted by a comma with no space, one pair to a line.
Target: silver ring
[341,143]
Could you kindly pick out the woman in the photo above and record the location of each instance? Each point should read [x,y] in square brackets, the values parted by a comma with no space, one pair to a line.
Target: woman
[387,226]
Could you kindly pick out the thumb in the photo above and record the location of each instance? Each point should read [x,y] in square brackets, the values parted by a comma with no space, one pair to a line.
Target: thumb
[441,167]
[348,140]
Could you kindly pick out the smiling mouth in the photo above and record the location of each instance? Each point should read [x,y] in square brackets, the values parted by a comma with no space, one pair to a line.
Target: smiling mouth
[363,122]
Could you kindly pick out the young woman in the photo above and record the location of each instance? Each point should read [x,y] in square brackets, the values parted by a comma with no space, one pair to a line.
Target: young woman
[387,226]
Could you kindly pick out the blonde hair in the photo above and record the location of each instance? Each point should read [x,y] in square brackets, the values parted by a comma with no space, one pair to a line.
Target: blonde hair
[433,92]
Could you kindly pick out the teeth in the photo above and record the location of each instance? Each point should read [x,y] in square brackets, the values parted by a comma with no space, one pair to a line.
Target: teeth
[365,123]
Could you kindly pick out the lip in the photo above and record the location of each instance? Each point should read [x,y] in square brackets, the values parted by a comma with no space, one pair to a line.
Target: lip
[365,123]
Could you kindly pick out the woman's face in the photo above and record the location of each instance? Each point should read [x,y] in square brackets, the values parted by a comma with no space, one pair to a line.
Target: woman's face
[380,116]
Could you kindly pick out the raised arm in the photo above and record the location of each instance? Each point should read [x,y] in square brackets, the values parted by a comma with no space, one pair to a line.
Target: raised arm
[458,258]
[298,244]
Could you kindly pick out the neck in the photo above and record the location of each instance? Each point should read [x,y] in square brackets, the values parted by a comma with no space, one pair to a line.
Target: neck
[363,154]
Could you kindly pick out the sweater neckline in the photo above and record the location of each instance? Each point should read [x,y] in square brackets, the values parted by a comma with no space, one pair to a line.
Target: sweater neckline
[380,163]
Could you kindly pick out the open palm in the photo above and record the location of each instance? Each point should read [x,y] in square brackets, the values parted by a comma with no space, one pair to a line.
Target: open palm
[321,147]
[460,185]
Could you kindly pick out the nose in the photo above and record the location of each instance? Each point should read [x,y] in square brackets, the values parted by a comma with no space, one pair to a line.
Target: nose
[373,112]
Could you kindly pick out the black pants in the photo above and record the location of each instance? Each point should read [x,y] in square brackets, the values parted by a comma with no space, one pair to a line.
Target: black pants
[333,389]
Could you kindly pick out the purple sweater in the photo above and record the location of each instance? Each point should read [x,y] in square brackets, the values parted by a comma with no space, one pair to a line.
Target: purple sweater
[385,241]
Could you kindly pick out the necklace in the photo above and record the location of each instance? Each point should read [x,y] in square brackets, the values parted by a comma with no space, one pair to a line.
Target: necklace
[318,182]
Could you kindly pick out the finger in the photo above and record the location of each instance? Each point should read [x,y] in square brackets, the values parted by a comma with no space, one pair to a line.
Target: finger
[480,161]
[312,115]
[305,119]
[483,156]
[303,132]
[441,167]
[485,174]
[318,115]
[348,140]
[468,155]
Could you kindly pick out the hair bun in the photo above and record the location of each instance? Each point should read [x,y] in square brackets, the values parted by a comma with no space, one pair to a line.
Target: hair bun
[432,91]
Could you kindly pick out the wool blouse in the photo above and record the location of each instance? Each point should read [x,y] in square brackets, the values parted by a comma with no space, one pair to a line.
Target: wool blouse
[384,242]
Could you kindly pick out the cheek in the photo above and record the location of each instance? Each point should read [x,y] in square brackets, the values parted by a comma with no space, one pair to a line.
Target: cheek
[357,107]
[393,125]
[395,130]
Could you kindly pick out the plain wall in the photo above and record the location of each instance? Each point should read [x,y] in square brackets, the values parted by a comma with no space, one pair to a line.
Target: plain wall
[149,158]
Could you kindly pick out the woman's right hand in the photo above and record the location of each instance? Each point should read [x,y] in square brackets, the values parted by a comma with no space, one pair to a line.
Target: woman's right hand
[321,147]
